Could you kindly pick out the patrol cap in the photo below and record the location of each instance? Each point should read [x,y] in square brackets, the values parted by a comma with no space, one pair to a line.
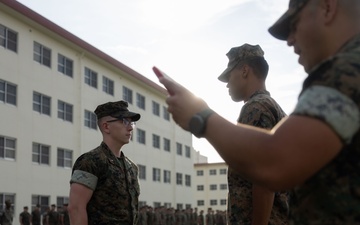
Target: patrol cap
[281,28]
[117,109]
[237,54]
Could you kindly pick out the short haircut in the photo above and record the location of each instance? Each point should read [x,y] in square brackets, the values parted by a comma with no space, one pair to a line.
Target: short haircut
[258,64]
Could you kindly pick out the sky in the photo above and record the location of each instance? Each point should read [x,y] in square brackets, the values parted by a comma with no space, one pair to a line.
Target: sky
[188,40]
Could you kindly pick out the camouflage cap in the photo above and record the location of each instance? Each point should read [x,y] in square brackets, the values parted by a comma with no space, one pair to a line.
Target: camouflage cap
[237,54]
[117,109]
[281,28]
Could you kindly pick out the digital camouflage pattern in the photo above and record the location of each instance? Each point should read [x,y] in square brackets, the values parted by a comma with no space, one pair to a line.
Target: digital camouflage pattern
[115,198]
[260,111]
[332,196]
[117,109]
[240,53]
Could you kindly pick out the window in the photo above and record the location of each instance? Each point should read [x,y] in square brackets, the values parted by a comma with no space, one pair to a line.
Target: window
[187,180]
[200,187]
[187,152]
[43,201]
[140,136]
[212,172]
[222,201]
[156,174]
[223,171]
[188,206]
[65,111]
[4,197]
[179,148]
[140,101]
[142,172]
[65,65]
[64,158]
[41,154]
[156,108]
[156,141]
[8,38]
[167,144]
[90,120]
[90,77]
[223,186]
[61,200]
[127,95]
[41,103]
[213,187]
[167,205]
[108,86]
[179,206]
[213,202]
[166,114]
[157,204]
[8,92]
[142,203]
[167,176]
[179,179]
[42,54]
[200,202]
[7,147]
[200,173]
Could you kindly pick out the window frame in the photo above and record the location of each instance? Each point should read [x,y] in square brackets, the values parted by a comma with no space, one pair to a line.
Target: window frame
[140,101]
[42,54]
[40,155]
[6,95]
[66,161]
[41,103]
[108,86]
[65,111]
[91,77]
[7,150]
[65,65]
[8,38]
[90,120]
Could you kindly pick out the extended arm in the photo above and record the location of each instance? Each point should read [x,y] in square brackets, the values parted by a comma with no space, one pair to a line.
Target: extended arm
[279,159]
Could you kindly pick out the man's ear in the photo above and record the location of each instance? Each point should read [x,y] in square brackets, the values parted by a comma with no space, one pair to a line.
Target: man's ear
[104,126]
[329,9]
[245,71]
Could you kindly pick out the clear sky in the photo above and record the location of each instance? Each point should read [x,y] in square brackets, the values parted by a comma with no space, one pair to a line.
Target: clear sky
[188,39]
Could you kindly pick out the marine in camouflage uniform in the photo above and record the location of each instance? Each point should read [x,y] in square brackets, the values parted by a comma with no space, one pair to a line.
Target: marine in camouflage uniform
[330,94]
[113,179]
[259,110]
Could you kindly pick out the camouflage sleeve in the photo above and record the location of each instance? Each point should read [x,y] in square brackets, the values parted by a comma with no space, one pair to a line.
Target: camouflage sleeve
[85,171]
[84,178]
[336,109]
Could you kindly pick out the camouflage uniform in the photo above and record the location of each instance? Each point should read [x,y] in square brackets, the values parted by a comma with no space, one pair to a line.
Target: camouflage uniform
[259,111]
[331,93]
[115,185]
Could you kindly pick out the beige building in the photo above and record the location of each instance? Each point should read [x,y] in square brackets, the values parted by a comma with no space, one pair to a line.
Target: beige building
[50,83]
[211,186]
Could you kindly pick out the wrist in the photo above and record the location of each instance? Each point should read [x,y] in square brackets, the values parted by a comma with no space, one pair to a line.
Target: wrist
[198,122]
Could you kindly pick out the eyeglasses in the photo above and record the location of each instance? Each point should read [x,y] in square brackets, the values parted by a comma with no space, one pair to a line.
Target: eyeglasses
[126,122]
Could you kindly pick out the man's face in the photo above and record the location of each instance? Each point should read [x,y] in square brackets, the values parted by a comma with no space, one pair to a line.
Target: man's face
[306,36]
[120,129]
[236,84]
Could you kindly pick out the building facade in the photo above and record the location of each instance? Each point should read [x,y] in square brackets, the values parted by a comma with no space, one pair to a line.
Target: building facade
[50,83]
[211,188]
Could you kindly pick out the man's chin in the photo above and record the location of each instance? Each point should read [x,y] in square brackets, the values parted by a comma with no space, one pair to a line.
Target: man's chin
[236,99]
